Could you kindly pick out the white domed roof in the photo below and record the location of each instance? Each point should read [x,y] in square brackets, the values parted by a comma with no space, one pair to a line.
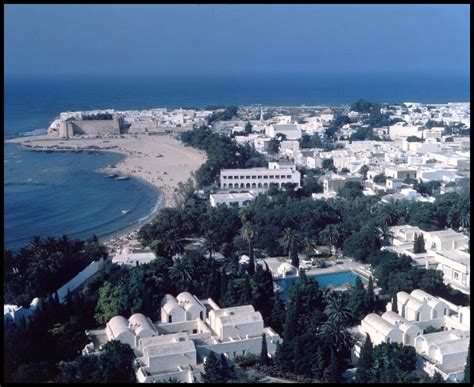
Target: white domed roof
[285,267]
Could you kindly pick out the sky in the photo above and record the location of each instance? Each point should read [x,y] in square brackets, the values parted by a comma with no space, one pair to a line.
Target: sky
[236,39]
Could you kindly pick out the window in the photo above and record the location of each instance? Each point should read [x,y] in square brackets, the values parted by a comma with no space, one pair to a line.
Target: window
[224,177]
[201,315]
[195,331]
[288,176]
[254,177]
[259,177]
[456,275]
[242,177]
[417,316]
[231,177]
[243,352]
[235,353]
[170,319]
[272,177]
[388,340]
[265,177]
[247,177]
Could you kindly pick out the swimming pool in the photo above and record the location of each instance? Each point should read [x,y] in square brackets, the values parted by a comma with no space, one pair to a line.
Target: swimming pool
[334,279]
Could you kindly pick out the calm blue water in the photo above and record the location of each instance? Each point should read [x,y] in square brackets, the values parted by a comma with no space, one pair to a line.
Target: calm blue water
[87,202]
[60,193]
[323,280]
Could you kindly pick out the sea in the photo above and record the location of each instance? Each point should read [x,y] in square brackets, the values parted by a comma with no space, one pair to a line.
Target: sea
[63,193]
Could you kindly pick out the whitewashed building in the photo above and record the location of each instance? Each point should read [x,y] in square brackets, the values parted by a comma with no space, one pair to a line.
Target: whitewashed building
[129,256]
[237,199]
[444,352]
[260,178]
[189,330]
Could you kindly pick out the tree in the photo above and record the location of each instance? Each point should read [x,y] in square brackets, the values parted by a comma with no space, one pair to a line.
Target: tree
[350,190]
[363,171]
[109,303]
[289,241]
[414,139]
[263,353]
[116,363]
[419,244]
[273,146]
[370,300]
[364,367]
[394,302]
[332,236]
[248,128]
[380,178]
[248,235]
[180,273]
[211,372]
[467,368]
[333,368]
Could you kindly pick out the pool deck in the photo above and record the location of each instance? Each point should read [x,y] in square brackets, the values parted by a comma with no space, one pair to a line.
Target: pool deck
[347,265]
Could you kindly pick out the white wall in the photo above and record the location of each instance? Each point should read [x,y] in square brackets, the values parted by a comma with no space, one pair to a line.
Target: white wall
[80,278]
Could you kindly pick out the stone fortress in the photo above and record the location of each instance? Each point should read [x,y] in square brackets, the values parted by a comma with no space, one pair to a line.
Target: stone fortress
[109,122]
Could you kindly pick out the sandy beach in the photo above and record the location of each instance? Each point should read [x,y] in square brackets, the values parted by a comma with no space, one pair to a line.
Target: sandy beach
[161,160]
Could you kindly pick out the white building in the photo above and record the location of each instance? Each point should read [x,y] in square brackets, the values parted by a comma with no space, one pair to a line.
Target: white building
[444,352]
[398,131]
[332,182]
[189,330]
[238,199]
[291,131]
[446,250]
[260,178]
[128,256]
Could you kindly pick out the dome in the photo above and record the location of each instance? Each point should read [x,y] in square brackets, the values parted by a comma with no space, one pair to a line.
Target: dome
[285,267]
[141,324]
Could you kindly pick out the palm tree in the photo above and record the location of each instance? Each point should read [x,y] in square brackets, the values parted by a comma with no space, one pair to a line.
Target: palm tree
[336,309]
[248,234]
[337,337]
[387,214]
[173,244]
[385,234]
[210,241]
[309,246]
[180,273]
[287,240]
[331,236]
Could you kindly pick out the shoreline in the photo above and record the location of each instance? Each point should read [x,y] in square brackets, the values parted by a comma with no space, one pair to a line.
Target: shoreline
[159,161]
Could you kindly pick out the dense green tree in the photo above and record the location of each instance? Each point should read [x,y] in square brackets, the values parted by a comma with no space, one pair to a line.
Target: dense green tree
[211,372]
[365,365]
[264,360]
[419,244]
[274,146]
[363,171]
[350,190]
[394,302]
[380,178]
[109,303]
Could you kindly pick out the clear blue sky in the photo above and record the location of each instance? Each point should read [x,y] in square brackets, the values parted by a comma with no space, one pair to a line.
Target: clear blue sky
[227,39]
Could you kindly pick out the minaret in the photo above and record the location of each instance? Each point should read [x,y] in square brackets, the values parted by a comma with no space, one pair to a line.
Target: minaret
[261,115]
